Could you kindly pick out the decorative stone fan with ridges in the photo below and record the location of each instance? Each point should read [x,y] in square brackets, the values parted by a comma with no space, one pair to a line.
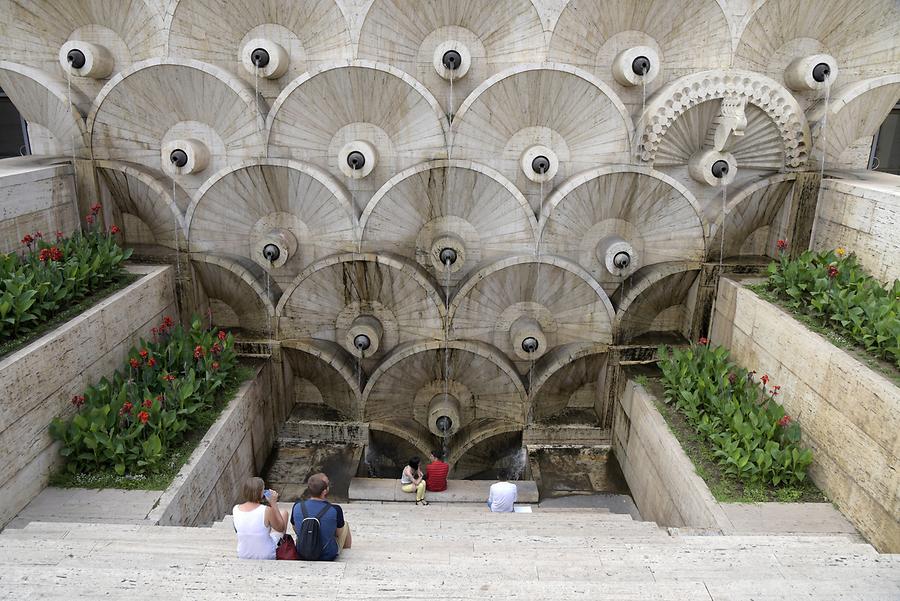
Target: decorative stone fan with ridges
[752,226]
[566,380]
[655,302]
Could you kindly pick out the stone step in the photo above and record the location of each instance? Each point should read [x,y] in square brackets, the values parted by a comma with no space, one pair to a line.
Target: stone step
[458,491]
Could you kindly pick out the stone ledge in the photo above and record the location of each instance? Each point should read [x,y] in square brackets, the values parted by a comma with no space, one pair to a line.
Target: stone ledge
[458,491]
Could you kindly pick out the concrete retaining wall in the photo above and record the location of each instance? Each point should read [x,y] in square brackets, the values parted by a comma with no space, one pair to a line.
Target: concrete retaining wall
[661,477]
[850,415]
[35,197]
[37,382]
[235,447]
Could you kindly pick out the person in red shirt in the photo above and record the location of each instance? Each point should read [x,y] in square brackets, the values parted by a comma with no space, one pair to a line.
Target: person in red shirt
[436,477]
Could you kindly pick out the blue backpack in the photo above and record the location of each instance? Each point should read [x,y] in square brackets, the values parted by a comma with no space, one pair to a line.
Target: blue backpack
[309,543]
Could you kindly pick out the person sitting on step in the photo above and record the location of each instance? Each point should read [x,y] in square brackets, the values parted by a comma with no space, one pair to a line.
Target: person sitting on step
[412,480]
[436,480]
[503,494]
[333,531]
[259,527]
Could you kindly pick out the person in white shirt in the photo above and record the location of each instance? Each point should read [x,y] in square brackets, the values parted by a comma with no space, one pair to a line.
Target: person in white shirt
[502,496]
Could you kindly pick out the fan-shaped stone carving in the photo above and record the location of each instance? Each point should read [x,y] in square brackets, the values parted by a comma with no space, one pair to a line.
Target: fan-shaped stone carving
[686,36]
[298,207]
[855,111]
[755,219]
[234,289]
[145,109]
[671,102]
[33,31]
[414,35]
[552,301]
[323,372]
[479,382]
[466,207]
[139,192]
[567,116]
[654,215]
[567,380]
[654,301]
[310,32]
[43,102]
[388,300]
[326,116]
[861,35]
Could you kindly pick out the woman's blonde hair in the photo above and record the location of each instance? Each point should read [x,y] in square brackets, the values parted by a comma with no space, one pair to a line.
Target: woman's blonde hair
[252,490]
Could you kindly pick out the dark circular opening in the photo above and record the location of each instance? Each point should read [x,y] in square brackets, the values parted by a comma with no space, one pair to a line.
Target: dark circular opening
[530,344]
[448,256]
[540,164]
[362,342]
[178,157]
[76,58]
[452,60]
[260,58]
[271,252]
[356,160]
[821,72]
[444,423]
[640,65]
[622,260]
[720,169]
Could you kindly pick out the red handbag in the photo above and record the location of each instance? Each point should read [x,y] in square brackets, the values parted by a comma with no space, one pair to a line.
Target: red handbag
[286,548]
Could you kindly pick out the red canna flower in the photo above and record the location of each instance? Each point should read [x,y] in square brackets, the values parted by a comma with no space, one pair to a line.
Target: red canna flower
[78,400]
[114,229]
[134,363]
[143,416]
[154,332]
[27,240]
[199,352]
[215,349]
[144,352]
[215,365]
[96,208]
[55,254]
[59,235]
[732,378]
[169,378]
[782,244]
[126,408]
[148,403]
[90,219]
[151,362]
[765,379]
[39,234]
[784,421]
[168,322]
[833,271]
[222,335]
[703,340]
[775,390]
[44,255]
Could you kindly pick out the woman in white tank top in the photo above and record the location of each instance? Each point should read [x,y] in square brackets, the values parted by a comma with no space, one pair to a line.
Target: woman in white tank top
[259,527]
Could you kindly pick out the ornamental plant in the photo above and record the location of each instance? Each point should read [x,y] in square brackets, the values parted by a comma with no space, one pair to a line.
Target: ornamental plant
[130,421]
[834,290]
[51,275]
[752,437]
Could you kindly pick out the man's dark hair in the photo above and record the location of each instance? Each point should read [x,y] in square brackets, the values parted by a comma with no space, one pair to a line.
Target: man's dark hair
[438,454]
[414,462]
[317,484]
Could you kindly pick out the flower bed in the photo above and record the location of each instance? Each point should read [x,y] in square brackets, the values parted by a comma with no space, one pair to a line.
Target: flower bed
[832,289]
[51,276]
[752,438]
[128,424]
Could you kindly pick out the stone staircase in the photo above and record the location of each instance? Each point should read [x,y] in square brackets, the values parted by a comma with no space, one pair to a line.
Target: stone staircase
[445,551]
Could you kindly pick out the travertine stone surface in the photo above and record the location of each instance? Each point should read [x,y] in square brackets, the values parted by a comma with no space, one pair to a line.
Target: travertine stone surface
[849,414]
[38,381]
[35,196]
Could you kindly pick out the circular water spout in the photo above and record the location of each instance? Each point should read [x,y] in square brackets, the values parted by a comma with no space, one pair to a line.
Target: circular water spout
[530,344]
[448,256]
[76,58]
[362,342]
[719,169]
[540,164]
[821,72]
[444,424]
[622,260]
[640,65]
[364,336]
[356,160]
[260,58]
[178,157]
[271,252]
[452,60]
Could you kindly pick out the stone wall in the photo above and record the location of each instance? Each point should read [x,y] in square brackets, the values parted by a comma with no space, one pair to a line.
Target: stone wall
[862,216]
[35,195]
[850,415]
[235,447]
[661,477]
[38,381]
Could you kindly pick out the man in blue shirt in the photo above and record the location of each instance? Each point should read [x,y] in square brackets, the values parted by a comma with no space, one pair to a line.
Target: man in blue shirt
[333,530]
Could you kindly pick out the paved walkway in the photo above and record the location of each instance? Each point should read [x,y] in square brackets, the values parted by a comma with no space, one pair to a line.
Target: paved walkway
[102,506]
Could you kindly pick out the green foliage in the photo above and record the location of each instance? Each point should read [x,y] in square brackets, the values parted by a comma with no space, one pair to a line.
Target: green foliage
[752,438]
[35,287]
[834,290]
[129,422]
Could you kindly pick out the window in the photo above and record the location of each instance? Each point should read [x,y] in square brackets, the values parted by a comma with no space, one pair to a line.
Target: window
[13,132]
[886,146]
